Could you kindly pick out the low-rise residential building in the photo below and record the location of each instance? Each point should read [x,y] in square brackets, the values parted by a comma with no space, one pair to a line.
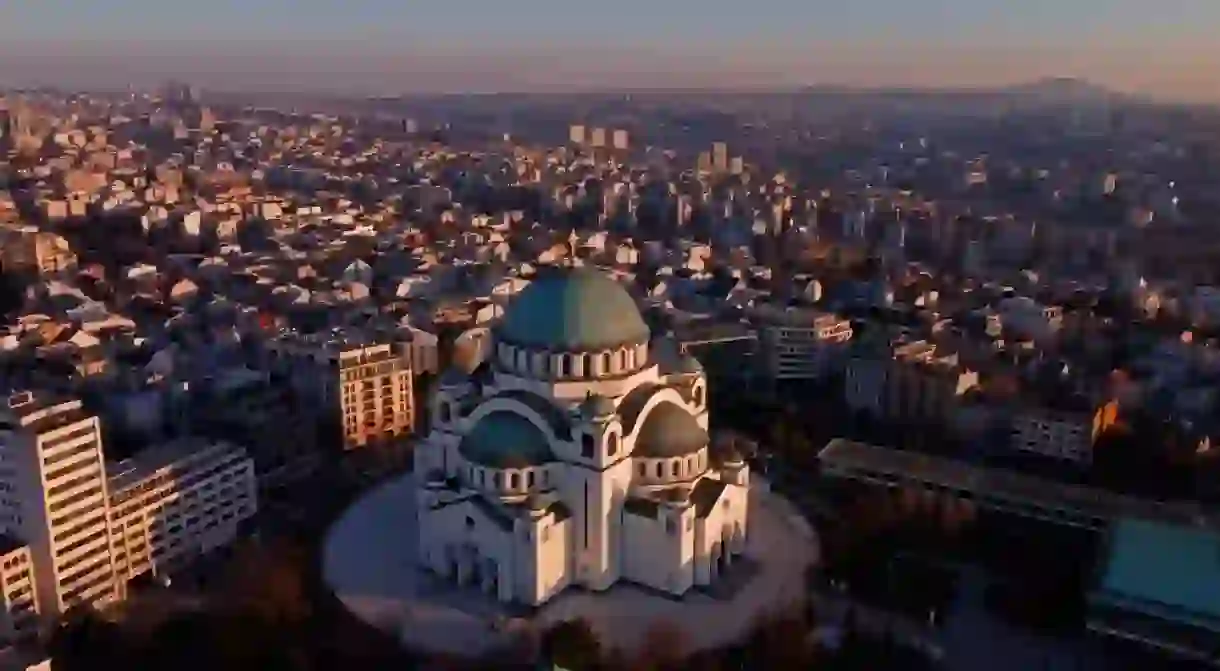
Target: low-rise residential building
[29,250]
[1026,318]
[19,618]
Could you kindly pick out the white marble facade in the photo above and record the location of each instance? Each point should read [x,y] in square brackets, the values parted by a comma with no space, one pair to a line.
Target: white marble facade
[577,454]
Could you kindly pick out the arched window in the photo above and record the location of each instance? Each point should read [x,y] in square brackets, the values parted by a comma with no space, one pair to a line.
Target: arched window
[673,468]
[529,479]
[607,364]
[512,480]
[612,444]
[565,365]
[586,446]
[698,395]
[643,470]
[660,472]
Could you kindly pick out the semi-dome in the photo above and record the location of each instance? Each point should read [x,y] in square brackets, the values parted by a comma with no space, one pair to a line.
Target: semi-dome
[596,405]
[505,439]
[573,310]
[669,431]
[689,365]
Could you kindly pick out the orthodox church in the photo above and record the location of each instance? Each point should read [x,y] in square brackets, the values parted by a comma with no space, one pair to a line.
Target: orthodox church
[577,454]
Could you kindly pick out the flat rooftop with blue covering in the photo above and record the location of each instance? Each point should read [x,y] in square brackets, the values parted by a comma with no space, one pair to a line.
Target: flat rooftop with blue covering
[1159,584]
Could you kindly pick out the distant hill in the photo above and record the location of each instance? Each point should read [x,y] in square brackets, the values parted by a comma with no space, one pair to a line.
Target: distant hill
[1065,90]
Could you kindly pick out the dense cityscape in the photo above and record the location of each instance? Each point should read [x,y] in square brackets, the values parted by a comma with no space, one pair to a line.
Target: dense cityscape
[821,378]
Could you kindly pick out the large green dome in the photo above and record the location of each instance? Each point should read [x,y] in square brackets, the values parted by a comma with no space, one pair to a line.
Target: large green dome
[573,310]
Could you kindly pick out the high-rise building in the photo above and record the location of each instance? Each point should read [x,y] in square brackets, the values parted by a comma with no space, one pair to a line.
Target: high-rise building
[56,499]
[597,138]
[621,140]
[720,157]
[364,388]
[377,395]
[576,135]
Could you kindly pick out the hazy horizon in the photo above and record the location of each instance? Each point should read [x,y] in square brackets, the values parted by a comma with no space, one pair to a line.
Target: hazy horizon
[375,47]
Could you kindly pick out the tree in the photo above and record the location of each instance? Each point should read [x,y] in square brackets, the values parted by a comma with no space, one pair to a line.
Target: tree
[780,641]
[83,639]
[664,648]
[573,645]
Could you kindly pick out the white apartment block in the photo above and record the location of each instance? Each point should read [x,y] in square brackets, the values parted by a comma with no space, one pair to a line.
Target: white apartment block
[365,387]
[55,499]
[174,502]
[800,343]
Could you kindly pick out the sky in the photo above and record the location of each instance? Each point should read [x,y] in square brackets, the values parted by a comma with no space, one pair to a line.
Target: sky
[1160,47]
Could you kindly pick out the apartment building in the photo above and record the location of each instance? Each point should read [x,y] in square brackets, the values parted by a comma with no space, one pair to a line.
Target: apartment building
[19,616]
[248,408]
[177,501]
[362,387]
[1056,432]
[800,343]
[55,499]
[914,382]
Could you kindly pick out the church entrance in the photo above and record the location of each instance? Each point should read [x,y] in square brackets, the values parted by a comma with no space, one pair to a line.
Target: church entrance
[452,568]
[492,582]
[716,561]
[476,569]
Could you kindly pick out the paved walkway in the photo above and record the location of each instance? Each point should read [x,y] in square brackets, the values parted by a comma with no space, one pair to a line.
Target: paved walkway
[369,563]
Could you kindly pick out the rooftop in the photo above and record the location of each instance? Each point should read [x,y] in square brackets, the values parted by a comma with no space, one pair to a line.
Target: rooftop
[1096,503]
[1167,570]
[133,470]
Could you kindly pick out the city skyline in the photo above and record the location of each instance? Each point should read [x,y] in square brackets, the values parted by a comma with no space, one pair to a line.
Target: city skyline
[370,46]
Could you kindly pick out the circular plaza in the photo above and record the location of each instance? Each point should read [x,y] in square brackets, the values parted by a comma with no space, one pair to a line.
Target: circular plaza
[370,563]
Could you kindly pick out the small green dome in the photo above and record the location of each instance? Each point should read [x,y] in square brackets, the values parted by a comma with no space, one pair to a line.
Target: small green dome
[669,431]
[573,310]
[504,439]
